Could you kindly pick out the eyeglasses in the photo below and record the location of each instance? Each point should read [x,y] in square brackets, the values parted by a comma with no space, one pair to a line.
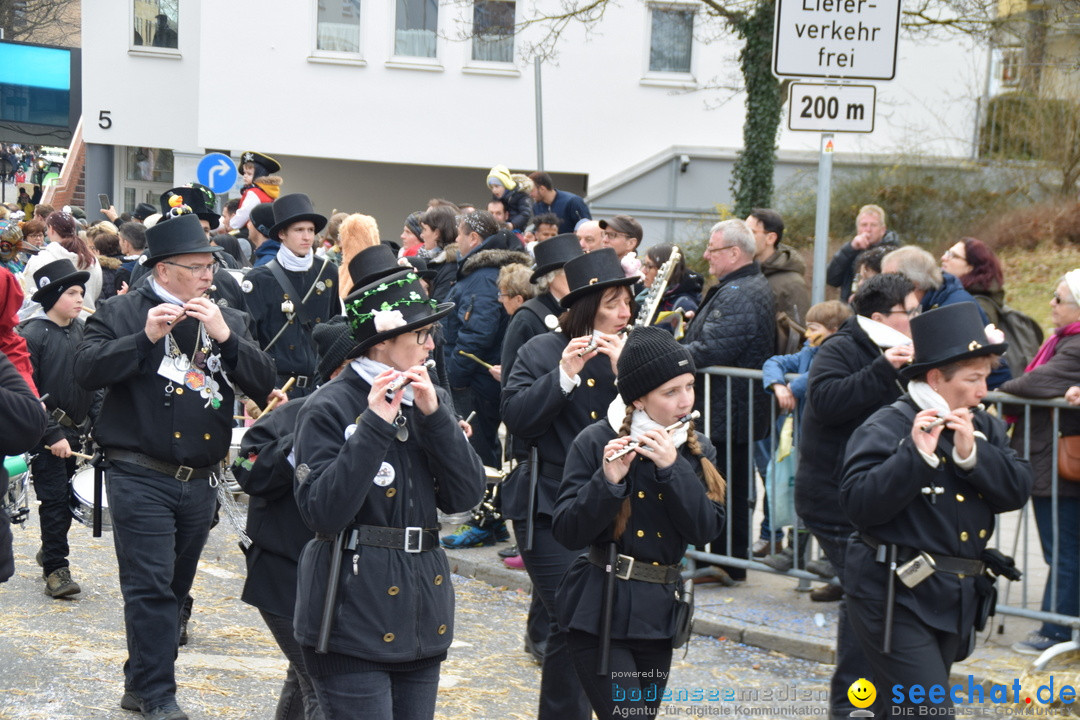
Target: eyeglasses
[950,255]
[196,269]
[709,250]
[423,334]
[913,312]
[611,234]
[1062,301]
[649,266]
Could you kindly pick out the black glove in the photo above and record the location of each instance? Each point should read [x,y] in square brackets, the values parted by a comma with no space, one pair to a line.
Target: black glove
[1001,564]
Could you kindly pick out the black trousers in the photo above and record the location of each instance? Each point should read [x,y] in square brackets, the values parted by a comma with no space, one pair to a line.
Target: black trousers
[637,674]
[297,700]
[921,655]
[52,486]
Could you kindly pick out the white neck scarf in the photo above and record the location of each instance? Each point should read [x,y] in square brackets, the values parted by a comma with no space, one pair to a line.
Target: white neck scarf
[367,368]
[641,423]
[290,261]
[881,334]
[927,398]
[165,294]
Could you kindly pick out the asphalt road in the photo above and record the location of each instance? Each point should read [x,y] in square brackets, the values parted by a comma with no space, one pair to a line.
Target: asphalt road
[62,659]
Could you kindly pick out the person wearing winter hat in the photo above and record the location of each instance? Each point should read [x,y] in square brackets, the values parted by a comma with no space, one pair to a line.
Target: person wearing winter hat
[645,513]
[510,191]
[923,481]
[52,339]
[561,382]
[261,184]
[382,419]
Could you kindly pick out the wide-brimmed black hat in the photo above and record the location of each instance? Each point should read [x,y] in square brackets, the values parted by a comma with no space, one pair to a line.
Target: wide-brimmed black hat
[946,335]
[553,253]
[197,197]
[143,210]
[269,164]
[593,271]
[181,235]
[333,341]
[389,307]
[373,263]
[262,217]
[296,207]
[55,278]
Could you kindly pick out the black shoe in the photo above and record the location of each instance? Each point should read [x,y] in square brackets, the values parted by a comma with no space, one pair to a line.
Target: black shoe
[509,552]
[537,651]
[827,593]
[185,615]
[131,701]
[59,584]
[169,711]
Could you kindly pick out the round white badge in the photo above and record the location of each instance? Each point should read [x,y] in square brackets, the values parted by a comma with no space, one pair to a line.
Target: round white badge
[385,476]
[246,286]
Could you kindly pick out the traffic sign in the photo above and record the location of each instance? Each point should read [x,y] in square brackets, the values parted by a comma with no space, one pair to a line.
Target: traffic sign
[841,39]
[831,108]
[217,171]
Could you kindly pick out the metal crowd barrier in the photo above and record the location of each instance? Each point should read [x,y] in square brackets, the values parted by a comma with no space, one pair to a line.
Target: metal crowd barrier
[744,380]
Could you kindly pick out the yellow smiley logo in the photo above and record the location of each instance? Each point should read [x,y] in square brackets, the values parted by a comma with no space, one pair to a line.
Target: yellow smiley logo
[862,693]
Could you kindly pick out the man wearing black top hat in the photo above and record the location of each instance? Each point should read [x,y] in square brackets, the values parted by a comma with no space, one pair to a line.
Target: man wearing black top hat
[171,361]
[923,479]
[52,337]
[292,293]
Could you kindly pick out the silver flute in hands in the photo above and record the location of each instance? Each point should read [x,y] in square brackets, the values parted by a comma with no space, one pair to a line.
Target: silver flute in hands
[592,343]
[669,429]
[941,421]
[402,381]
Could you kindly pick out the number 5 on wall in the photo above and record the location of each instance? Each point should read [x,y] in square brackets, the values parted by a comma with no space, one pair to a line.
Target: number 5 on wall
[104,121]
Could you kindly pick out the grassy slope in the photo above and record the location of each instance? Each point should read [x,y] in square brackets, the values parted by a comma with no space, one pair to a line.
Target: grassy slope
[1030,277]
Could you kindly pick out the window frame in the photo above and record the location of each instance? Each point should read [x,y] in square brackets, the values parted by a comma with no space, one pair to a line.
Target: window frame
[338,57]
[659,78]
[150,50]
[491,67]
[418,62]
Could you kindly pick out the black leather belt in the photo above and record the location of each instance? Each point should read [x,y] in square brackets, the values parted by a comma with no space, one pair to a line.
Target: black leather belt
[628,568]
[183,473]
[412,539]
[550,470]
[967,567]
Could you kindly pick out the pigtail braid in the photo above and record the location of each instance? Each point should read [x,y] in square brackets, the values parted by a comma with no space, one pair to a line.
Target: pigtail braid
[714,481]
[622,518]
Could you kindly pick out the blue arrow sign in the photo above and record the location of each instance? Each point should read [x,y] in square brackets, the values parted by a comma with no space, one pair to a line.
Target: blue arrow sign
[217,171]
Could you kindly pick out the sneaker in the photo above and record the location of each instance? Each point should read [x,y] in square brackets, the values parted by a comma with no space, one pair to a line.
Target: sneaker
[185,615]
[1035,644]
[59,584]
[131,701]
[509,552]
[468,536]
[514,561]
[827,593]
[501,533]
[822,568]
[763,547]
[169,711]
[781,561]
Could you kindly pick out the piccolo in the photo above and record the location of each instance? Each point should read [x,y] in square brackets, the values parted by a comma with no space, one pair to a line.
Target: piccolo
[402,381]
[209,290]
[670,428]
[941,421]
[593,343]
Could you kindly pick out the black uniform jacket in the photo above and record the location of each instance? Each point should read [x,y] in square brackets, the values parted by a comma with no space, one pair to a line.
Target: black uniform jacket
[882,493]
[536,411]
[137,414]
[392,606]
[849,380]
[52,353]
[294,352]
[668,511]
[278,533]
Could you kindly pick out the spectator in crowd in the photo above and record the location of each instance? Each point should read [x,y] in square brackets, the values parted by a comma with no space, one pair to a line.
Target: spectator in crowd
[510,190]
[132,241]
[736,327]
[566,206]
[261,184]
[683,291]
[42,211]
[868,263]
[106,244]
[265,248]
[411,241]
[785,270]
[870,231]
[438,228]
[64,243]
[1051,374]
[546,226]
[498,211]
[33,232]
[855,372]
[623,234]
[979,271]
[590,236]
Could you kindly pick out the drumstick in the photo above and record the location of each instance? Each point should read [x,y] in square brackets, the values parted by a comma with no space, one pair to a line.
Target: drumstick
[275,400]
[476,359]
[634,443]
[84,456]
[941,421]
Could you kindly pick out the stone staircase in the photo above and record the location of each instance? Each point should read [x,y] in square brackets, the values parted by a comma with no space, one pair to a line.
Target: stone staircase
[70,188]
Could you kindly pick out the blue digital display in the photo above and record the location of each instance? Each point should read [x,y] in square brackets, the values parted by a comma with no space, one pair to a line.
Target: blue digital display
[35,84]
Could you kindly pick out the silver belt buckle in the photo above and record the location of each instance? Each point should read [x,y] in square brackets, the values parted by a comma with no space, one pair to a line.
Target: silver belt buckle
[183,473]
[413,532]
[625,575]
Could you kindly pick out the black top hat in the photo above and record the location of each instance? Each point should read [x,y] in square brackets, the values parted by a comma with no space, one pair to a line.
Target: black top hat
[262,217]
[56,277]
[332,343]
[296,207]
[553,253]
[597,270]
[946,335]
[269,164]
[389,307]
[143,211]
[371,264]
[180,235]
[197,197]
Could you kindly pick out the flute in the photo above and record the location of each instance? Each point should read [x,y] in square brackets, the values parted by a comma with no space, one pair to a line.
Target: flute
[402,381]
[179,317]
[941,421]
[592,343]
[670,428]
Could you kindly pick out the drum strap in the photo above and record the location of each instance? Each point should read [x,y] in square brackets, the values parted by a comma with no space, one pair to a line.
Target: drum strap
[99,476]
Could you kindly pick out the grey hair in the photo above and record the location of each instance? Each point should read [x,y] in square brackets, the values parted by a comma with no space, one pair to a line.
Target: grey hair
[736,233]
[544,281]
[916,265]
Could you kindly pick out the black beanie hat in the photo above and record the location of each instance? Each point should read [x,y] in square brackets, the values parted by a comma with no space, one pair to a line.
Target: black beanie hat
[649,359]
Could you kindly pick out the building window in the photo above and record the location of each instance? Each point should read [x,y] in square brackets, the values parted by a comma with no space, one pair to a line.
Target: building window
[338,26]
[671,40]
[415,28]
[493,30]
[156,23]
